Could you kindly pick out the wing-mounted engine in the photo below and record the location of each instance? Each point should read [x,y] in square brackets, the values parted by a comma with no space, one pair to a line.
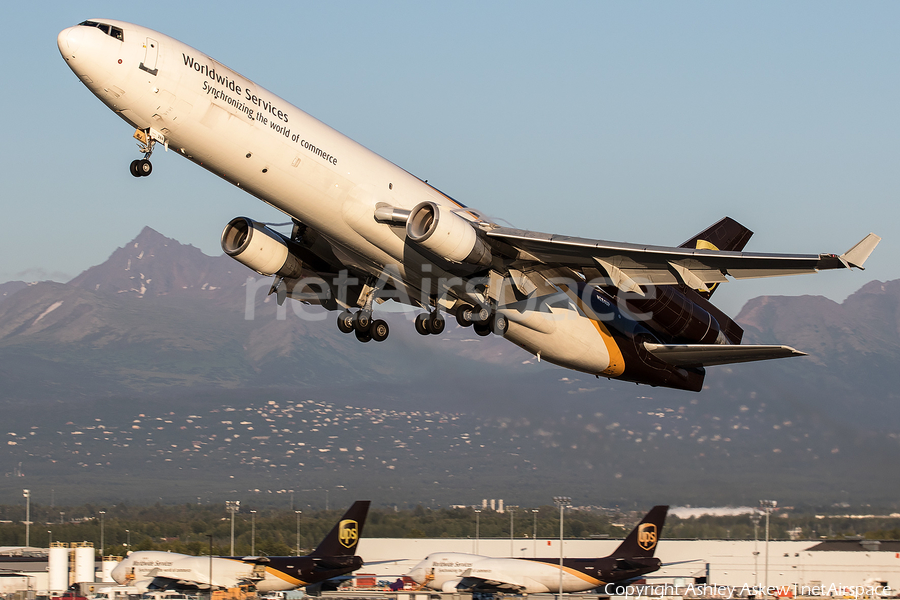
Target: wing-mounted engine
[262,249]
[446,234]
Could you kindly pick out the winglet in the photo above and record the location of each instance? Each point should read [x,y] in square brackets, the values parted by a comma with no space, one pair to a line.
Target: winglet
[857,255]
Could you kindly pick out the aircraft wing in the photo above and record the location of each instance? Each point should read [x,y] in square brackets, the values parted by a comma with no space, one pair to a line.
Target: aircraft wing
[628,265]
[707,355]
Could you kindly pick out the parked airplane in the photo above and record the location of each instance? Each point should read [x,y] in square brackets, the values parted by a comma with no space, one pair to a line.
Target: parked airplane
[335,556]
[365,230]
[455,571]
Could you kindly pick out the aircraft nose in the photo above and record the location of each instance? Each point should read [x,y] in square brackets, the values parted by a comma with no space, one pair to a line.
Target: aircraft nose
[68,41]
[417,574]
[118,573]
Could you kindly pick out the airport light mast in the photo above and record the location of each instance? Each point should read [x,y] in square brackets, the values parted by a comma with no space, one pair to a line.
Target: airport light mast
[754,517]
[27,494]
[767,506]
[210,565]
[562,502]
[102,514]
[477,527]
[535,512]
[298,513]
[512,513]
[252,533]
[232,506]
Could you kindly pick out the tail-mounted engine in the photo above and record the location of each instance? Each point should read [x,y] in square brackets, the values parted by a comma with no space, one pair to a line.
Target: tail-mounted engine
[444,233]
[262,249]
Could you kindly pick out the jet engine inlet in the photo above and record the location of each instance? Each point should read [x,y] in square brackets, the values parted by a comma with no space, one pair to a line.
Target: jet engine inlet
[445,233]
[262,249]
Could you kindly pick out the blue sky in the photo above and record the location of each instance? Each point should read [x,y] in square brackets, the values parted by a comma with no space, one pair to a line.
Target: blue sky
[637,121]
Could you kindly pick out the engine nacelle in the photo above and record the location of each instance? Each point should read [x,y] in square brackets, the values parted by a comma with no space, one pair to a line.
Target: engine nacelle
[444,233]
[671,311]
[262,249]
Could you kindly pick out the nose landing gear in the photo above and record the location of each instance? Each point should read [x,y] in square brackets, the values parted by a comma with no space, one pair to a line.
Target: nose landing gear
[141,167]
[146,138]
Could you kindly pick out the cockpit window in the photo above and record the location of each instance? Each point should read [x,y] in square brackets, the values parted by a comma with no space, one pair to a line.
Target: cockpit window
[107,29]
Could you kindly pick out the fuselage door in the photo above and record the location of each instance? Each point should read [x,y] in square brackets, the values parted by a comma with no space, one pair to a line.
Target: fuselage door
[151,53]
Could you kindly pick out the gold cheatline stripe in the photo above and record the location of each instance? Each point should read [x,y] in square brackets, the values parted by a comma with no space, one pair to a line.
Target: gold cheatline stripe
[279,574]
[616,360]
[284,576]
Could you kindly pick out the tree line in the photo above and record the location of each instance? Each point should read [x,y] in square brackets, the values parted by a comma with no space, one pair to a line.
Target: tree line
[190,528]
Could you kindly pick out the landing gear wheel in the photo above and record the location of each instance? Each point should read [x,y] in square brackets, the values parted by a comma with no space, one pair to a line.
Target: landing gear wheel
[363,336]
[144,167]
[482,314]
[345,321]
[436,323]
[500,324]
[363,320]
[482,329]
[422,324]
[464,315]
[379,330]
[135,170]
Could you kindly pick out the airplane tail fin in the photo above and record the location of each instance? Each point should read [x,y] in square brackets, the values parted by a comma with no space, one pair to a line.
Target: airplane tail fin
[344,536]
[727,235]
[641,542]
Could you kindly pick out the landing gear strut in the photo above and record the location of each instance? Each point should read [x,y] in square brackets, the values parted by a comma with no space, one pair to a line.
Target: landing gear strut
[361,322]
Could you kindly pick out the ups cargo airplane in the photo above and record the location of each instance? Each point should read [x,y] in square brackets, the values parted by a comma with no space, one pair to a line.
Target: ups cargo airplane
[455,571]
[365,231]
[335,556]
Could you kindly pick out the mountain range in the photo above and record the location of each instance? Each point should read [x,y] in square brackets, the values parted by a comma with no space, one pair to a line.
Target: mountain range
[161,332]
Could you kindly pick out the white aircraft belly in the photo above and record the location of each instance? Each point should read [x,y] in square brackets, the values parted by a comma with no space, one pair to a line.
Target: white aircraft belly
[531,577]
[566,338]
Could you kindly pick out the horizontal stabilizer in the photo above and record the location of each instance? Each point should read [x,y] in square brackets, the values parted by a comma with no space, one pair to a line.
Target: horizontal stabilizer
[707,355]
[857,255]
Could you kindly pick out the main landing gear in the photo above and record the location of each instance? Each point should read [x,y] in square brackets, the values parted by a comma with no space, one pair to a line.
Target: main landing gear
[483,320]
[430,323]
[362,324]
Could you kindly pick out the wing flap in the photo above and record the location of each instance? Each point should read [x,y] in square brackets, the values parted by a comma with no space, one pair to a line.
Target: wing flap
[707,355]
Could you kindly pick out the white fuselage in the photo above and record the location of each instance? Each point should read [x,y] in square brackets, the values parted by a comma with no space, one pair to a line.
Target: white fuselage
[444,571]
[140,568]
[261,143]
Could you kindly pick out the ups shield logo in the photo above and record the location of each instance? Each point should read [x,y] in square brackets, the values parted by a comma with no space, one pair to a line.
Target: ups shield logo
[348,533]
[646,537]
